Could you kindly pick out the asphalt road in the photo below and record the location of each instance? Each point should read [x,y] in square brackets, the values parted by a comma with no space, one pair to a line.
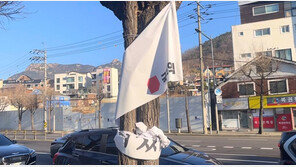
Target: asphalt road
[229,150]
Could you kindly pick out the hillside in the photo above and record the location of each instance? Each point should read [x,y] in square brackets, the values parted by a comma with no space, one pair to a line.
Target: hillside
[223,54]
[35,71]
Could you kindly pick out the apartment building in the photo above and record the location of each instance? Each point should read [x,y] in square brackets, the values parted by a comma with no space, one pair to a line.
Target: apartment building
[267,28]
[72,83]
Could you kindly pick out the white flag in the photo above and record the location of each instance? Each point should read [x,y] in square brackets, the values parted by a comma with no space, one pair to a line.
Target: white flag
[153,59]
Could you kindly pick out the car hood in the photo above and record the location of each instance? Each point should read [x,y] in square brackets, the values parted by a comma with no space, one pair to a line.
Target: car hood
[194,157]
[13,149]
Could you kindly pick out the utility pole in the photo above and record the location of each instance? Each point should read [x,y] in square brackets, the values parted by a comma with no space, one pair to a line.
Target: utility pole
[204,115]
[168,110]
[186,109]
[208,101]
[44,59]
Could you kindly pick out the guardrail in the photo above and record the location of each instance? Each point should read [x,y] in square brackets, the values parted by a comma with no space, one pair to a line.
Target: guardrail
[32,135]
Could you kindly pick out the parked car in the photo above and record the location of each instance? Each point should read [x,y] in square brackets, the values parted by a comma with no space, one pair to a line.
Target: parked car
[87,148]
[14,154]
[58,143]
[287,146]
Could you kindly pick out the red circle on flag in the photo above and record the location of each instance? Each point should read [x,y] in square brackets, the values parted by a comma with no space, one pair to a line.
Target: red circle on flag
[153,84]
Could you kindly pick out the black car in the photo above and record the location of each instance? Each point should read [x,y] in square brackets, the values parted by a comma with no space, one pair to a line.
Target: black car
[58,143]
[14,154]
[87,148]
[287,146]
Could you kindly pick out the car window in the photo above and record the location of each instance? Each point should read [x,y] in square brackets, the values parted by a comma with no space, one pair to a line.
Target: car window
[111,147]
[4,141]
[87,142]
[173,148]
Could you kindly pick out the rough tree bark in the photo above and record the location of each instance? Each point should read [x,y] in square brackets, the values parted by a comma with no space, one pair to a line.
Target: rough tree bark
[135,16]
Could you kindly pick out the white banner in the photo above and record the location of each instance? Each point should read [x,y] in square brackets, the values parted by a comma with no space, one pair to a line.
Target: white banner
[153,59]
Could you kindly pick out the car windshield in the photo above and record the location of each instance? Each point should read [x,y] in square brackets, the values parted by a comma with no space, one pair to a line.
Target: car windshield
[173,148]
[4,141]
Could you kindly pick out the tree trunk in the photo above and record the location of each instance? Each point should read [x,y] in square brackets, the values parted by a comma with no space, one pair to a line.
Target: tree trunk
[129,22]
[32,121]
[261,109]
[187,111]
[20,119]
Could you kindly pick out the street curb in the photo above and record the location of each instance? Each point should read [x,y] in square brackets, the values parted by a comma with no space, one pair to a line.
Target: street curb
[33,140]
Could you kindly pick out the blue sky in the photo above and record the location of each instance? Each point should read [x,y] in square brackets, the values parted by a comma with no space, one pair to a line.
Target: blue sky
[53,24]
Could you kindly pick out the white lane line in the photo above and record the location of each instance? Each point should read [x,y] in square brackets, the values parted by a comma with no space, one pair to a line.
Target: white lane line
[266,148]
[242,160]
[249,139]
[211,146]
[196,145]
[42,153]
[228,147]
[245,155]
[246,148]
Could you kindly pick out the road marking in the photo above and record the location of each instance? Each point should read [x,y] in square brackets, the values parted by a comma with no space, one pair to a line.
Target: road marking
[196,145]
[246,147]
[241,160]
[266,148]
[250,139]
[246,155]
[211,146]
[228,147]
[42,153]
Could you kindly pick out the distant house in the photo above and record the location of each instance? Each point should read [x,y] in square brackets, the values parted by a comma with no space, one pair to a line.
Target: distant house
[25,80]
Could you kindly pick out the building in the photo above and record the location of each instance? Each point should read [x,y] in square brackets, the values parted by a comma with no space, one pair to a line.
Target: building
[106,81]
[25,80]
[267,28]
[241,99]
[72,83]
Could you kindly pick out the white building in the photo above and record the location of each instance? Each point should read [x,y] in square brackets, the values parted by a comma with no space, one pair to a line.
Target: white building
[268,28]
[72,82]
[107,80]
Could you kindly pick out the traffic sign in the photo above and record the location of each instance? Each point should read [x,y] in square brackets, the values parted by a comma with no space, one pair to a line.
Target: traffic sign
[218,92]
[219,99]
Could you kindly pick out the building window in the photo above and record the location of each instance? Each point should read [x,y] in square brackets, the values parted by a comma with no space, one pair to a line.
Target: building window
[108,88]
[80,86]
[70,79]
[285,29]
[58,87]
[278,86]
[58,80]
[70,86]
[64,85]
[241,33]
[80,79]
[261,32]
[246,89]
[265,53]
[246,55]
[290,8]
[284,54]
[266,9]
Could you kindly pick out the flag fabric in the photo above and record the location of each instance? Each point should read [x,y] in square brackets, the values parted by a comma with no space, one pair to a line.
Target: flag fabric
[153,59]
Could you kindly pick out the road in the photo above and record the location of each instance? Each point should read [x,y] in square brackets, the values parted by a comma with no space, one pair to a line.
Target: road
[236,150]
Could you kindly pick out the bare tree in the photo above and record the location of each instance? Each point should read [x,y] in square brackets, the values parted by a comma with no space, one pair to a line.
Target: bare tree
[17,98]
[9,10]
[4,101]
[258,71]
[50,104]
[135,16]
[32,104]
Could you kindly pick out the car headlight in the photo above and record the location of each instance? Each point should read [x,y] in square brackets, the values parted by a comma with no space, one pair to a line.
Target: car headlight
[32,153]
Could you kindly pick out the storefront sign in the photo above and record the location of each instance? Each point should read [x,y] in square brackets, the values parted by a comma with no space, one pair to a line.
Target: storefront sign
[234,104]
[281,101]
[274,101]
[268,122]
[284,122]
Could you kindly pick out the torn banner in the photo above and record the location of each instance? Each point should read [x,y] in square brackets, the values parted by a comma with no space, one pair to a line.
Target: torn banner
[153,59]
[145,144]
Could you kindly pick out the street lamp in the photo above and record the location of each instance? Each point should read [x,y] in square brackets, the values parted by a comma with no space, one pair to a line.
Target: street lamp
[214,75]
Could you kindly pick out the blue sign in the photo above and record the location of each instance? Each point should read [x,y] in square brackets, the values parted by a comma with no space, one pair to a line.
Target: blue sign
[218,92]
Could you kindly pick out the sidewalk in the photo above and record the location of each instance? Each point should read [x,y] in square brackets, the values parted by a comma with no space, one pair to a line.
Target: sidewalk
[228,133]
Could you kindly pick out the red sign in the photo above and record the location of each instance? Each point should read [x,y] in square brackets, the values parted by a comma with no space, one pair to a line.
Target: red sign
[268,122]
[284,122]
